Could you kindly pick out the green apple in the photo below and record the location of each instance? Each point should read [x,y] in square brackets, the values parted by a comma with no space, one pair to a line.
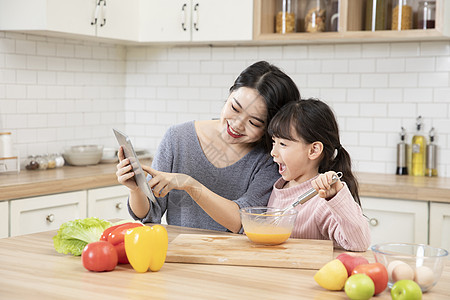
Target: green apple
[406,290]
[359,287]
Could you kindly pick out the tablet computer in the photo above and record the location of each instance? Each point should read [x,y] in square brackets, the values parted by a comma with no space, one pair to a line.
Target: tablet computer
[139,174]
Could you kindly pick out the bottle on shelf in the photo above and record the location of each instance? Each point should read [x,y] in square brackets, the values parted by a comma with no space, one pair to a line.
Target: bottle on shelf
[418,150]
[315,17]
[401,154]
[402,15]
[333,15]
[431,165]
[426,15]
[285,19]
[377,14]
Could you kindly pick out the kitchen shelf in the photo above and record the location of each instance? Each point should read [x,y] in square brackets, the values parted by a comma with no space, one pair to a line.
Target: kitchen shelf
[351,26]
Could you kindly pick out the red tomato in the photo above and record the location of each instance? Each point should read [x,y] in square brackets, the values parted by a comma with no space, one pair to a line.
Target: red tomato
[99,256]
[377,272]
[116,237]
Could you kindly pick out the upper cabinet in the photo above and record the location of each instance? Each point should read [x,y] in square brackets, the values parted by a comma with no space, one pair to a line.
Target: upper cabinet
[345,21]
[196,20]
[242,22]
[115,19]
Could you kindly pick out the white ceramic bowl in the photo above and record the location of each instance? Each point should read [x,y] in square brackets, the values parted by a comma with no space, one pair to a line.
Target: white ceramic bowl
[109,155]
[83,155]
[424,260]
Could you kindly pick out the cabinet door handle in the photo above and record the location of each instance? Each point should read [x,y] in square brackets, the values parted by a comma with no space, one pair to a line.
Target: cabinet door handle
[95,16]
[50,218]
[119,205]
[183,17]
[196,16]
[373,222]
[103,13]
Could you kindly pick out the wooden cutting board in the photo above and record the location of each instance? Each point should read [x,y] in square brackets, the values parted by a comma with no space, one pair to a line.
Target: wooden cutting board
[238,250]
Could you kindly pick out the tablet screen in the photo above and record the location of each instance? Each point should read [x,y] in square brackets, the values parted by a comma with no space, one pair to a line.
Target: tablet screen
[139,174]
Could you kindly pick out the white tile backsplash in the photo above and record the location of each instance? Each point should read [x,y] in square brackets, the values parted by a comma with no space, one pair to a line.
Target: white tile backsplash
[56,92]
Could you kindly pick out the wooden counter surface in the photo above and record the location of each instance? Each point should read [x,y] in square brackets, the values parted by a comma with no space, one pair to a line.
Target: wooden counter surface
[32,269]
[68,178]
[53,181]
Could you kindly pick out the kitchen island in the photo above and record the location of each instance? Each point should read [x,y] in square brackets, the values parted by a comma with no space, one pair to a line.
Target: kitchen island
[32,269]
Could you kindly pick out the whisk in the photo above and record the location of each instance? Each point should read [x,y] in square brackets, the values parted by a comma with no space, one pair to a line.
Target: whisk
[300,200]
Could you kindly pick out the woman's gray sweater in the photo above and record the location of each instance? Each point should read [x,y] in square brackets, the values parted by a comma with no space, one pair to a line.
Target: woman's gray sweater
[248,182]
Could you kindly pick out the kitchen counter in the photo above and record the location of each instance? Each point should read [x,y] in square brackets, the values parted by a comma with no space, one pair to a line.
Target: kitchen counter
[69,178]
[31,268]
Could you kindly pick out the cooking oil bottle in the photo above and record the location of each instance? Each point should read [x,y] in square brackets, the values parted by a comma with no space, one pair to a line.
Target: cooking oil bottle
[431,169]
[418,146]
[402,168]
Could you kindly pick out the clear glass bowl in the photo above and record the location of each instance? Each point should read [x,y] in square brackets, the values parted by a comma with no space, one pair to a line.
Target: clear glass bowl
[426,261]
[266,225]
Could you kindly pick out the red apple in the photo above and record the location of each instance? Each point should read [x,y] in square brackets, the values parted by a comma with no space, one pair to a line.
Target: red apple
[377,272]
[351,261]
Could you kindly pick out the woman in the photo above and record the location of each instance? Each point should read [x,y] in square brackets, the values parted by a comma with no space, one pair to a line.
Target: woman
[204,171]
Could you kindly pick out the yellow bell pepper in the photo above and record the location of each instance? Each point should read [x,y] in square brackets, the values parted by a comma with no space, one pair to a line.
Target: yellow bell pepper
[146,247]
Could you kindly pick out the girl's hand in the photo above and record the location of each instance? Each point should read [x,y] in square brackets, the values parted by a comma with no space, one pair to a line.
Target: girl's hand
[322,185]
[162,183]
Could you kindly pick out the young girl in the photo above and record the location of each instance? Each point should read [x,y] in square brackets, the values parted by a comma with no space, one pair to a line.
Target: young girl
[306,146]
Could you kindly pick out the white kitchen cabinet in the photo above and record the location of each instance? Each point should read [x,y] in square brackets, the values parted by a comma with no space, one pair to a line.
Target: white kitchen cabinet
[440,225]
[4,219]
[45,213]
[108,203]
[117,19]
[393,220]
[196,20]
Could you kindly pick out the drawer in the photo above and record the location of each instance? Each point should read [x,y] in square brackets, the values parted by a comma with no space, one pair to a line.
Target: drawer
[108,203]
[4,219]
[45,213]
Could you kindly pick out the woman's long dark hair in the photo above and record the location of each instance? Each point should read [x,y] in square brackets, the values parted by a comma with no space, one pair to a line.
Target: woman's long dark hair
[314,121]
[273,85]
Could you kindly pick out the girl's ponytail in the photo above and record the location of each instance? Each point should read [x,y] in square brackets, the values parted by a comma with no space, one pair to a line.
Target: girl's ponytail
[341,161]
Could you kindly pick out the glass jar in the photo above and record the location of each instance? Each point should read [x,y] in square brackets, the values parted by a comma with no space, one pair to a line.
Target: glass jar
[426,15]
[285,19]
[31,163]
[51,161]
[333,15]
[402,15]
[42,161]
[59,159]
[377,14]
[315,16]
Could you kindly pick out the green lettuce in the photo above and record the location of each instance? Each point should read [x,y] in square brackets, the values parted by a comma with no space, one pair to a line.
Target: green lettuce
[73,236]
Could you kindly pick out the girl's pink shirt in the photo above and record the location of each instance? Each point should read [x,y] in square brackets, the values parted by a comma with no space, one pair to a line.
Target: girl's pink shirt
[340,219]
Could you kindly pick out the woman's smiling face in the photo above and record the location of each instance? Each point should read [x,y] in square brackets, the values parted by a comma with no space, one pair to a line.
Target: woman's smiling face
[243,117]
